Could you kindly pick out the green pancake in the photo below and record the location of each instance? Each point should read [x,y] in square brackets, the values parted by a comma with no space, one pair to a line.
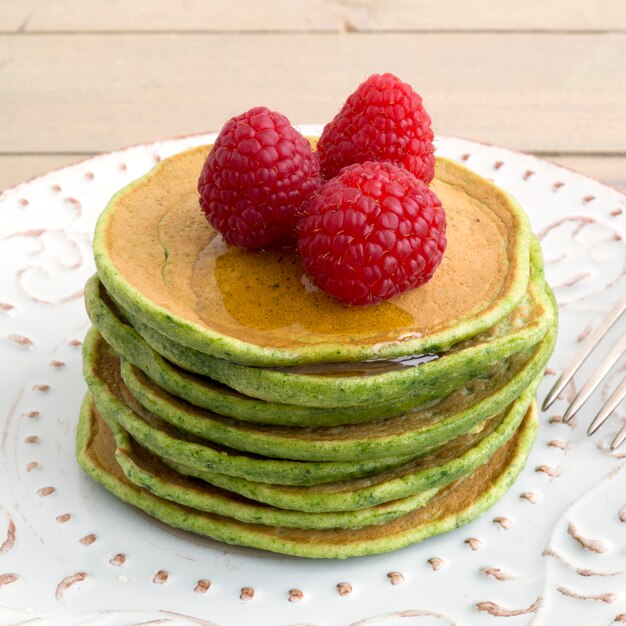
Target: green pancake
[336,385]
[366,384]
[162,262]
[458,504]
[149,472]
[455,459]
[209,394]
[114,401]
[410,434]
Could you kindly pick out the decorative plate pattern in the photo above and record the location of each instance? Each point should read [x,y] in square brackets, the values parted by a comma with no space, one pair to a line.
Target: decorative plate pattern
[551,552]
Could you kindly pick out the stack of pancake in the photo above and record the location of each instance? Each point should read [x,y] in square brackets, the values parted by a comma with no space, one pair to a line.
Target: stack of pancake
[231,398]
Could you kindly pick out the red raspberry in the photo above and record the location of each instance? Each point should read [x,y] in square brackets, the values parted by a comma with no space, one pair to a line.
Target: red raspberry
[383,120]
[371,233]
[257,179]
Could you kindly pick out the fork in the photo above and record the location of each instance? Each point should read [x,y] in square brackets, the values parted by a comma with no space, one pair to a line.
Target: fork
[594,380]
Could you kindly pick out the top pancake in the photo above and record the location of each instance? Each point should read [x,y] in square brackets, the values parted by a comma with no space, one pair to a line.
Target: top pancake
[158,256]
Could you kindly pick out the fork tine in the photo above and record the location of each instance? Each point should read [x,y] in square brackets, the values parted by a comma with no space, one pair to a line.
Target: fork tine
[611,404]
[585,350]
[594,380]
[619,438]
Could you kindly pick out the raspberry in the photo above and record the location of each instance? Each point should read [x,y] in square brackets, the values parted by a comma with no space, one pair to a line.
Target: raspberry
[383,120]
[373,232]
[257,180]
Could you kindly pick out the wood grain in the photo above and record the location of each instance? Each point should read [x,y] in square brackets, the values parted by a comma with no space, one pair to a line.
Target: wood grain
[80,76]
[89,93]
[310,15]
[14,15]
[18,168]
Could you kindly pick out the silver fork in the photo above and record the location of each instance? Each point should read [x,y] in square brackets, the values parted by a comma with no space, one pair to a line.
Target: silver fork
[594,380]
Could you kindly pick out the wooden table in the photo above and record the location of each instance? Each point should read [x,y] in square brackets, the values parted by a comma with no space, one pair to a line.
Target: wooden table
[78,77]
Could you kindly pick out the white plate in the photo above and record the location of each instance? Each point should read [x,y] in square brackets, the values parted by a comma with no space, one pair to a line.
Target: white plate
[552,550]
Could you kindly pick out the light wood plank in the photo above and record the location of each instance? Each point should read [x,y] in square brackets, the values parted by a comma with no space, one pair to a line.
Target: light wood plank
[15,169]
[504,15]
[184,15]
[311,15]
[89,93]
[19,168]
[14,14]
